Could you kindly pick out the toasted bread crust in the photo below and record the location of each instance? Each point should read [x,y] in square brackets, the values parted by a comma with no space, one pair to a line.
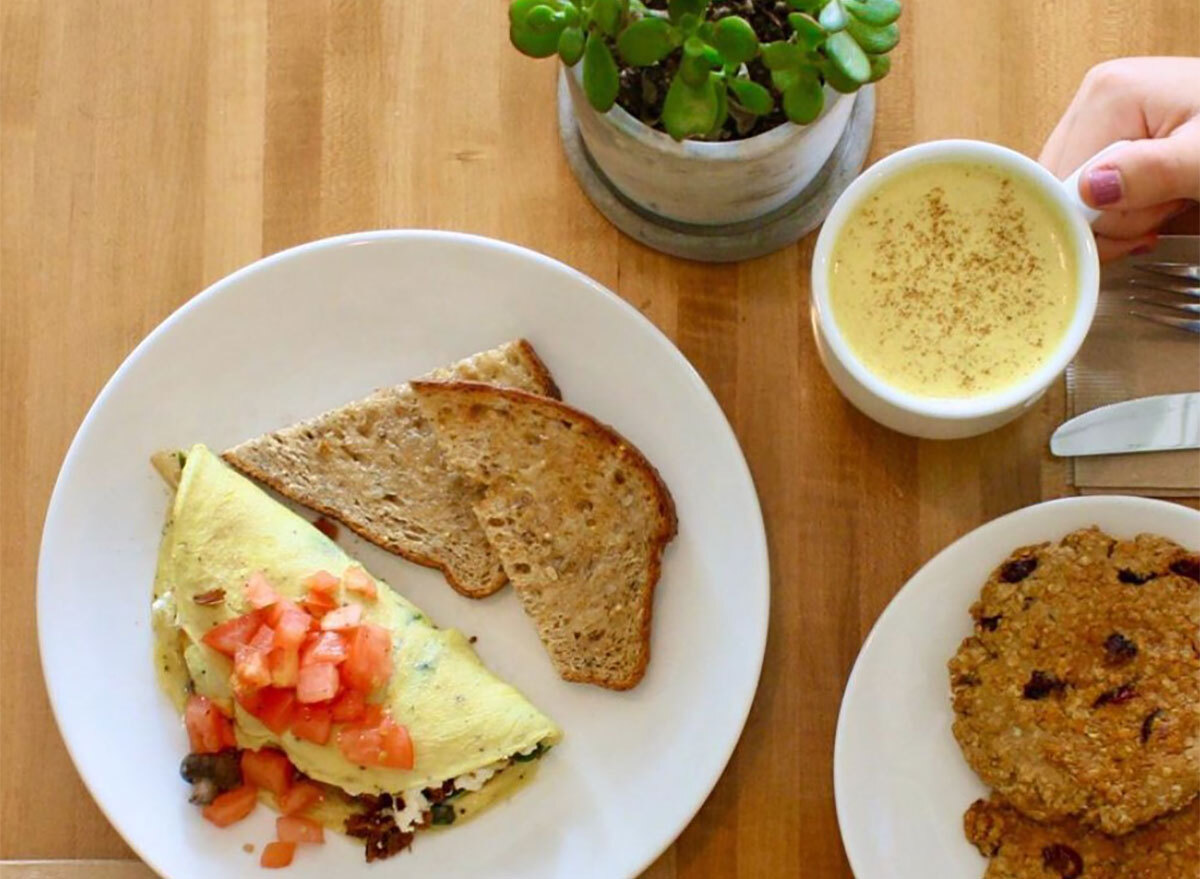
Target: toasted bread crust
[631,457]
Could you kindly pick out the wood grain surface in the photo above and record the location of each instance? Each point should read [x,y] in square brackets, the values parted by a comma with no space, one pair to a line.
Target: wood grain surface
[148,148]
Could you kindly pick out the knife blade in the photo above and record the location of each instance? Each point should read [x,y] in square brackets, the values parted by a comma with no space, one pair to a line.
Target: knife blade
[1148,424]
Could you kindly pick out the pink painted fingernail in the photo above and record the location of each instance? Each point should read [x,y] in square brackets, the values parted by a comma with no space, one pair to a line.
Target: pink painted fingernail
[1105,184]
[1142,249]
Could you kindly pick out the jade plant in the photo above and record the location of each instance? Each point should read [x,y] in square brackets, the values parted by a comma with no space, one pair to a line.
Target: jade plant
[712,58]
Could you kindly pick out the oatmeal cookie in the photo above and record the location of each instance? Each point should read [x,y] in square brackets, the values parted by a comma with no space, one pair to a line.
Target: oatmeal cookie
[1079,693]
[1020,848]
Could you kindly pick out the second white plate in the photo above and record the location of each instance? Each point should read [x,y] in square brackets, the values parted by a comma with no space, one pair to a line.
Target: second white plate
[900,781]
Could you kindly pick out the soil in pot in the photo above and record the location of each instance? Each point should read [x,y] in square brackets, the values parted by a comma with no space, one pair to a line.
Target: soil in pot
[644,89]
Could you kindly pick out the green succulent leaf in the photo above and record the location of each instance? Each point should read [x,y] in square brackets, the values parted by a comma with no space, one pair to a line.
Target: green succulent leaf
[833,16]
[601,79]
[782,55]
[518,9]
[812,7]
[645,42]
[808,30]
[735,39]
[607,16]
[880,65]
[570,46]
[752,97]
[690,110]
[784,79]
[838,80]
[570,14]
[722,107]
[534,43]
[874,40]
[542,18]
[677,9]
[847,57]
[694,68]
[803,100]
[874,12]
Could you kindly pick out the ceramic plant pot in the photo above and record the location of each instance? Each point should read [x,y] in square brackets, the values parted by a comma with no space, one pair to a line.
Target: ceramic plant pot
[706,183]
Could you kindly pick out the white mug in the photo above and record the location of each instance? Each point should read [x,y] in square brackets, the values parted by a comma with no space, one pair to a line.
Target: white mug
[938,417]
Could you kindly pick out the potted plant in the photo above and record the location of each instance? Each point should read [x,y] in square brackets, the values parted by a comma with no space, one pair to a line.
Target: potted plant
[710,112]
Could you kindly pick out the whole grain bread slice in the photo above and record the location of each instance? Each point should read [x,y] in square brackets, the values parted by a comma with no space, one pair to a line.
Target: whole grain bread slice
[578,516]
[374,465]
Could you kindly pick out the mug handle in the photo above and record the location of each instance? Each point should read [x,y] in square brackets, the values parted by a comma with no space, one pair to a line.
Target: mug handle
[1071,184]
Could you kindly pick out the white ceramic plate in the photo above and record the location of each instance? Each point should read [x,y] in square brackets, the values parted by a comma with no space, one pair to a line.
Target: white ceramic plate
[900,781]
[309,329]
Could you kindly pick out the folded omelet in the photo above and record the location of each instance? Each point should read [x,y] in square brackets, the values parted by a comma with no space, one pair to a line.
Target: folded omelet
[471,733]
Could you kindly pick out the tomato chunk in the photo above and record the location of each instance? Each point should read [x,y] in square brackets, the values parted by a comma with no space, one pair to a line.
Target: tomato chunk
[232,634]
[313,722]
[277,854]
[349,707]
[268,769]
[208,729]
[397,746]
[300,796]
[291,627]
[322,593]
[345,617]
[276,708]
[259,591]
[264,639]
[369,662]
[285,666]
[318,682]
[387,744]
[329,647]
[232,806]
[293,828]
[357,580]
[250,668]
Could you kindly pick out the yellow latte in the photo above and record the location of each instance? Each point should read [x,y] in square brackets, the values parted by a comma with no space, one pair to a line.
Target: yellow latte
[953,280]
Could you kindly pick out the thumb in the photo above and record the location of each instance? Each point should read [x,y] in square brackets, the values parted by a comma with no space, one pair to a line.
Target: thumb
[1146,173]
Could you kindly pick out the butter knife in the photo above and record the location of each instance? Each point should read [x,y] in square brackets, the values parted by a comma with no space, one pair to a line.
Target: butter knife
[1149,424]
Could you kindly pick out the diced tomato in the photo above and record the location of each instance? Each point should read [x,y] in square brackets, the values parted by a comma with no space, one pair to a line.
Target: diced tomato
[291,627]
[232,634]
[293,828]
[372,714]
[276,610]
[369,662]
[284,663]
[357,580]
[318,682]
[386,744]
[349,707]
[329,647]
[232,806]
[259,591]
[248,698]
[300,796]
[264,639]
[277,854]
[313,722]
[397,746]
[269,769]
[359,744]
[208,729]
[322,593]
[276,708]
[250,668]
[322,581]
[345,617]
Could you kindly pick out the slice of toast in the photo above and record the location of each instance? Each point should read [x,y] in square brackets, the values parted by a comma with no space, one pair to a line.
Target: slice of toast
[374,465]
[578,516]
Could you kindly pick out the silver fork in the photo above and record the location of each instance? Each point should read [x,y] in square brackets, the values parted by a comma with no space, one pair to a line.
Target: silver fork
[1184,284]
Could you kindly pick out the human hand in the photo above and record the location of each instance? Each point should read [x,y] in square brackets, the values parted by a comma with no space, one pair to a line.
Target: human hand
[1154,102]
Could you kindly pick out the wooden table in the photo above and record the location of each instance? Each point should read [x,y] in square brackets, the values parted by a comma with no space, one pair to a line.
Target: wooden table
[148,148]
